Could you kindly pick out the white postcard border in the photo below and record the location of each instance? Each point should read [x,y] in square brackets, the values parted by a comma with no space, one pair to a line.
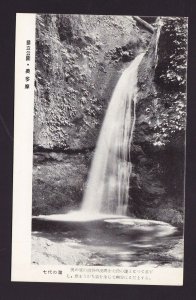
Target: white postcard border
[22,268]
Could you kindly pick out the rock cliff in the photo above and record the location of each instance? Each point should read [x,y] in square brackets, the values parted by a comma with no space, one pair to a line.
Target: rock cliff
[157,182]
[78,62]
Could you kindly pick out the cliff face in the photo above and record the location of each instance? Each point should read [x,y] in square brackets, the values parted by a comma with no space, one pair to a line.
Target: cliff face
[157,182]
[78,62]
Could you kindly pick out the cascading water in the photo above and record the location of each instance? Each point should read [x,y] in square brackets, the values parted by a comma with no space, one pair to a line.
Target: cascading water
[108,183]
[159,26]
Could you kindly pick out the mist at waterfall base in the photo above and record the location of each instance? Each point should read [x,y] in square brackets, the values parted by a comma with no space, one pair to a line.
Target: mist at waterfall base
[102,226]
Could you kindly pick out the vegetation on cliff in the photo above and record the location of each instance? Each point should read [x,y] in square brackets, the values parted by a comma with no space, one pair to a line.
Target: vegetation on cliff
[157,184]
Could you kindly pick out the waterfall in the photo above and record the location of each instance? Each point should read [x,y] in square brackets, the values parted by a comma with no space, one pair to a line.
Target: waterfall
[107,188]
[159,26]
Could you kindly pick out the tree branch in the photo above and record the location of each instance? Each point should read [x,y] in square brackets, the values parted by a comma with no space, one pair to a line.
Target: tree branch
[149,27]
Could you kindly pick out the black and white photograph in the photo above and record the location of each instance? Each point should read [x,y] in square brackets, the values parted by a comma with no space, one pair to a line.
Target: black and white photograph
[109,139]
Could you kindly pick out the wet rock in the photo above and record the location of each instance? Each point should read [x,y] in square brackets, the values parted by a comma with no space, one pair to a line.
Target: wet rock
[49,252]
[58,184]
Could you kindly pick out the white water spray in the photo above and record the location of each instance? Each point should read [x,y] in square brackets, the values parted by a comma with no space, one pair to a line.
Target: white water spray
[108,182]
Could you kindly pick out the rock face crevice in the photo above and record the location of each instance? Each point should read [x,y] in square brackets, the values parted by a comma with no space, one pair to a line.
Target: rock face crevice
[79,59]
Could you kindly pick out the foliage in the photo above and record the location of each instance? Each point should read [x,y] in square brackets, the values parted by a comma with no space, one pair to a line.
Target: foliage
[121,54]
[170,75]
[171,70]
[169,118]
